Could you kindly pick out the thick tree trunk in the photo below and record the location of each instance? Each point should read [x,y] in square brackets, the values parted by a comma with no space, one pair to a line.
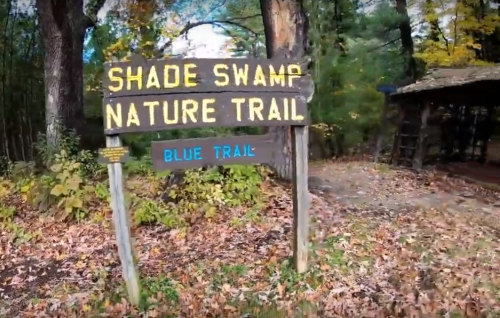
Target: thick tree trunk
[406,39]
[286,27]
[63,25]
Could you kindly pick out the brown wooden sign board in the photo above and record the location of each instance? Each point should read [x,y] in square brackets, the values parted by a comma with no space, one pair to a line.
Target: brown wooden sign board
[113,155]
[194,153]
[180,111]
[167,76]
[153,95]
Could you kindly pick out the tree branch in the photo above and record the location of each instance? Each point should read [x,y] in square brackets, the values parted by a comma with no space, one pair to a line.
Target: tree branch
[190,26]
[90,17]
[385,44]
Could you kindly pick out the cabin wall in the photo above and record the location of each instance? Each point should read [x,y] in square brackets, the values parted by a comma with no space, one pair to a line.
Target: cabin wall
[445,133]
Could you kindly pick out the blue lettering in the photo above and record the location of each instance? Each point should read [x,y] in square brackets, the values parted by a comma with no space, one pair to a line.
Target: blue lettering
[226,152]
[176,156]
[187,154]
[197,153]
[168,155]
[249,150]
[216,148]
[237,151]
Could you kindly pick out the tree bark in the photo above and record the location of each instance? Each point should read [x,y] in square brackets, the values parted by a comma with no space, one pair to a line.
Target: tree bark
[285,28]
[63,26]
[406,39]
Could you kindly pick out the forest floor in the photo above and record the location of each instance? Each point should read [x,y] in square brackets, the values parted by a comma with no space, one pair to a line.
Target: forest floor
[384,243]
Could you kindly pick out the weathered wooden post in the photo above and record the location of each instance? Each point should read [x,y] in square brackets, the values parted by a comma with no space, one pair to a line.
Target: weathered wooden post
[286,27]
[387,90]
[114,155]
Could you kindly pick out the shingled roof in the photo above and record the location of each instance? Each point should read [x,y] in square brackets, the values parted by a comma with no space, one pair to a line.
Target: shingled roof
[437,78]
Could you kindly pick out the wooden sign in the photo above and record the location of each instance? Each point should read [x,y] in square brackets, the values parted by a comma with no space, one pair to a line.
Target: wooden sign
[113,155]
[153,95]
[174,111]
[154,77]
[193,153]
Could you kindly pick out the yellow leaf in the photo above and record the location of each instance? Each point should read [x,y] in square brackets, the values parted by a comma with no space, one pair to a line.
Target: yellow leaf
[57,190]
[77,203]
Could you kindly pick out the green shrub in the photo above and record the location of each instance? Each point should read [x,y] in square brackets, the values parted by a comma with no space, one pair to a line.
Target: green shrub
[202,194]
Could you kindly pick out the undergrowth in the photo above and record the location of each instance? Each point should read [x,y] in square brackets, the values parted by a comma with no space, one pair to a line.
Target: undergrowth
[74,186]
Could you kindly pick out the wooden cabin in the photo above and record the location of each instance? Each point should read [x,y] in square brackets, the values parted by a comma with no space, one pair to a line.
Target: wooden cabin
[449,115]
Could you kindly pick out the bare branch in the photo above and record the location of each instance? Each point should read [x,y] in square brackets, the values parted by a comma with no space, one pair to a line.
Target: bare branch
[190,26]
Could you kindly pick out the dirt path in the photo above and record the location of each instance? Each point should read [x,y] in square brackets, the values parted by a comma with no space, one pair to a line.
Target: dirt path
[367,185]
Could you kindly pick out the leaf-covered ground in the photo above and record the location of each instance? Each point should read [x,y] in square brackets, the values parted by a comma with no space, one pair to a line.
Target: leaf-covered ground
[379,248]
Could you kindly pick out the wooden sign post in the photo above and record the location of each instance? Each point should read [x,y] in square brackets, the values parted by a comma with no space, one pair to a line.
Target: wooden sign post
[153,95]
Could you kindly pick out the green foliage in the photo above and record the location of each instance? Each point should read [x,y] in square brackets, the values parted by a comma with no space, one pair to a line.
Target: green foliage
[149,211]
[249,40]
[202,194]
[350,62]
[69,187]
[17,233]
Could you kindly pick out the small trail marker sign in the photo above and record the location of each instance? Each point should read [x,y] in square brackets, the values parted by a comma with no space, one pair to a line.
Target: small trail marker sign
[153,95]
[113,155]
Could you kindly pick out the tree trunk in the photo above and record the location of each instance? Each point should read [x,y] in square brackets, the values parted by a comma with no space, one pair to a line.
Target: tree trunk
[285,27]
[63,25]
[406,39]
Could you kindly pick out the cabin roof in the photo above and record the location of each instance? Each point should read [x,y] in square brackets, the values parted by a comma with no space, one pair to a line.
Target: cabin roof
[438,78]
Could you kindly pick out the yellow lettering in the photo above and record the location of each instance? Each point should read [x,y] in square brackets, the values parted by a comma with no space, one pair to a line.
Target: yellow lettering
[274,112]
[255,106]
[217,72]
[151,106]
[175,120]
[177,76]
[153,80]
[206,109]
[294,111]
[189,111]
[238,102]
[259,79]
[117,117]
[115,79]
[293,72]
[277,78]
[240,75]
[286,108]
[188,75]
[134,78]
[133,118]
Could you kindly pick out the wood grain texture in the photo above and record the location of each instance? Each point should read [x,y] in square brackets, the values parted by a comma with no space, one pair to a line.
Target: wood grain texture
[301,201]
[122,226]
